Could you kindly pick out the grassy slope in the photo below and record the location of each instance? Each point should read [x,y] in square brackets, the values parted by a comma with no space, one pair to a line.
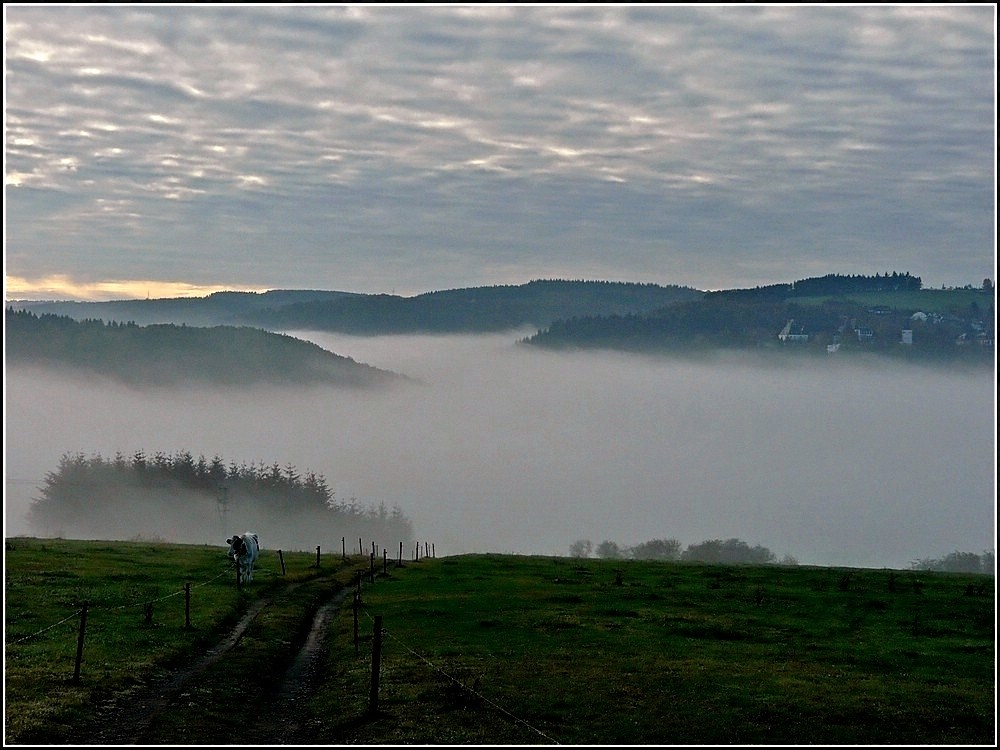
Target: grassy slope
[528,650]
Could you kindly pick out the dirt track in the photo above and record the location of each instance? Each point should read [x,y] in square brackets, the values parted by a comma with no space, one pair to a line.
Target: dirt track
[128,721]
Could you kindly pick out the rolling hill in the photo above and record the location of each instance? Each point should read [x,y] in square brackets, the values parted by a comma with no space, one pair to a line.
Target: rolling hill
[471,310]
[888,315]
[168,354]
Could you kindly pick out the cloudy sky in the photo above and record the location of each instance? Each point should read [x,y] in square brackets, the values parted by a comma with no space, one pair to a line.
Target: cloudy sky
[168,150]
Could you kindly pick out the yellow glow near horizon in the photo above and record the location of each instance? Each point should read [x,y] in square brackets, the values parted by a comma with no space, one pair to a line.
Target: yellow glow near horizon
[63,287]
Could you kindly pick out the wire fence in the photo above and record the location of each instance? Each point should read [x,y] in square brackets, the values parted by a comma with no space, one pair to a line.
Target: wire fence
[373,572]
[455,680]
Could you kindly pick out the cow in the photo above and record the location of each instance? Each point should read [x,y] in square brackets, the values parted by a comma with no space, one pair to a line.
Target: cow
[244,549]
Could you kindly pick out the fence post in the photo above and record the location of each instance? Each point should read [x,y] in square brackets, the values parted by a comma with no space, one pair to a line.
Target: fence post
[281,559]
[371,567]
[187,606]
[79,643]
[343,547]
[385,561]
[357,603]
[399,560]
[361,549]
[317,555]
[376,665]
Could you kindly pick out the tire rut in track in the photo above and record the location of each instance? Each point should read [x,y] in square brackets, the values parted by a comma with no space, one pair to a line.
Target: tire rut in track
[125,722]
[284,721]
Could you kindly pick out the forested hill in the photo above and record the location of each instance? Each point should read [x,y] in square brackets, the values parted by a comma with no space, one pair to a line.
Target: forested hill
[220,308]
[167,354]
[472,310]
[480,309]
[830,315]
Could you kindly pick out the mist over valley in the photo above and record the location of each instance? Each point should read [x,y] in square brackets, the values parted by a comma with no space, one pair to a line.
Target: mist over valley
[497,446]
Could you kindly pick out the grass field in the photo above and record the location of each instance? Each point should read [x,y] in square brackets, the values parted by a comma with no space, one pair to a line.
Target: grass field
[503,649]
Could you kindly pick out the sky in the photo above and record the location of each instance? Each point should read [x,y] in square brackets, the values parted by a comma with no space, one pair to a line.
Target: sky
[174,150]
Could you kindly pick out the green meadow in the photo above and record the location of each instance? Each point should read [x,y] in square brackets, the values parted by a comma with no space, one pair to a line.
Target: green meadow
[507,649]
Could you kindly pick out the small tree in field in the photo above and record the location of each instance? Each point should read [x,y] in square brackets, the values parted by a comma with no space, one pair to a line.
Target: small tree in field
[608,550]
[580,548]
[657,549]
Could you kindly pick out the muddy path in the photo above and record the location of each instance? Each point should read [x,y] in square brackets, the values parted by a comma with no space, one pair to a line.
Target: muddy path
[134,719]
[284,722]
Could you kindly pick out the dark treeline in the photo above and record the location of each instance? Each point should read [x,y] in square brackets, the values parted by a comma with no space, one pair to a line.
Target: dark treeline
[831,284]
[165,354]
[185,499]
[472,310]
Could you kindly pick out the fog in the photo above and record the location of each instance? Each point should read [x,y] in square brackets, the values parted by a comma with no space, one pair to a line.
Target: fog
[505,448]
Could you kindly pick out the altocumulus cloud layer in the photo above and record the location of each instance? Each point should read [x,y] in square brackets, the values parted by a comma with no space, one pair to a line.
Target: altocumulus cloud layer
[415,148]
[509,449]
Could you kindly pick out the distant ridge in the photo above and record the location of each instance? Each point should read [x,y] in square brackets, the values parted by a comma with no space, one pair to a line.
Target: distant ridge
[166,354]
[882,314]
[886,314]
[472,310]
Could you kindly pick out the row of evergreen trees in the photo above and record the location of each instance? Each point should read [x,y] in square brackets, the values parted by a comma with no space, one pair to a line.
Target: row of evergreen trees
[831,284]
[177,497]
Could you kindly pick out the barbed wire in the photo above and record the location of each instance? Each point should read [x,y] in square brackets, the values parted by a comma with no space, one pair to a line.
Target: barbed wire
[113,608]
[48,627]
[461,684]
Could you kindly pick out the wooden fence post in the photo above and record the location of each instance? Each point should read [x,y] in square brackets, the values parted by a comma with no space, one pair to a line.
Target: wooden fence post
[357,603]
[399,560]
[187,606]
[343,547]
[317,556]
[281,559]
[371,567]
[361,549]
[376,665]
[385,559]
[79,643]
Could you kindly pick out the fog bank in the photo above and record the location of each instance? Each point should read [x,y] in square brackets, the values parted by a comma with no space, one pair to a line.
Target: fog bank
[510,449]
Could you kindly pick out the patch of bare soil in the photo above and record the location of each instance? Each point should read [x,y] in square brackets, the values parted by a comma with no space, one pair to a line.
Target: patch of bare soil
[284,721]
[125,721]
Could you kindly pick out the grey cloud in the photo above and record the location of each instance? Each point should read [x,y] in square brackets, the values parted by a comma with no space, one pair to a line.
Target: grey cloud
[784,123]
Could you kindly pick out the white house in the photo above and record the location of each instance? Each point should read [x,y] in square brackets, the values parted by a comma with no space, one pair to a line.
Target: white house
[793,332]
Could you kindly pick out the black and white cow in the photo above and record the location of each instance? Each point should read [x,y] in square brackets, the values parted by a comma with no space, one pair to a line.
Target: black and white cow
[244,549]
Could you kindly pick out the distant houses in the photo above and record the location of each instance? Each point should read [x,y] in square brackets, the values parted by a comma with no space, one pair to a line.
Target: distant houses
[875,335]
[864,333]
[793,332]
